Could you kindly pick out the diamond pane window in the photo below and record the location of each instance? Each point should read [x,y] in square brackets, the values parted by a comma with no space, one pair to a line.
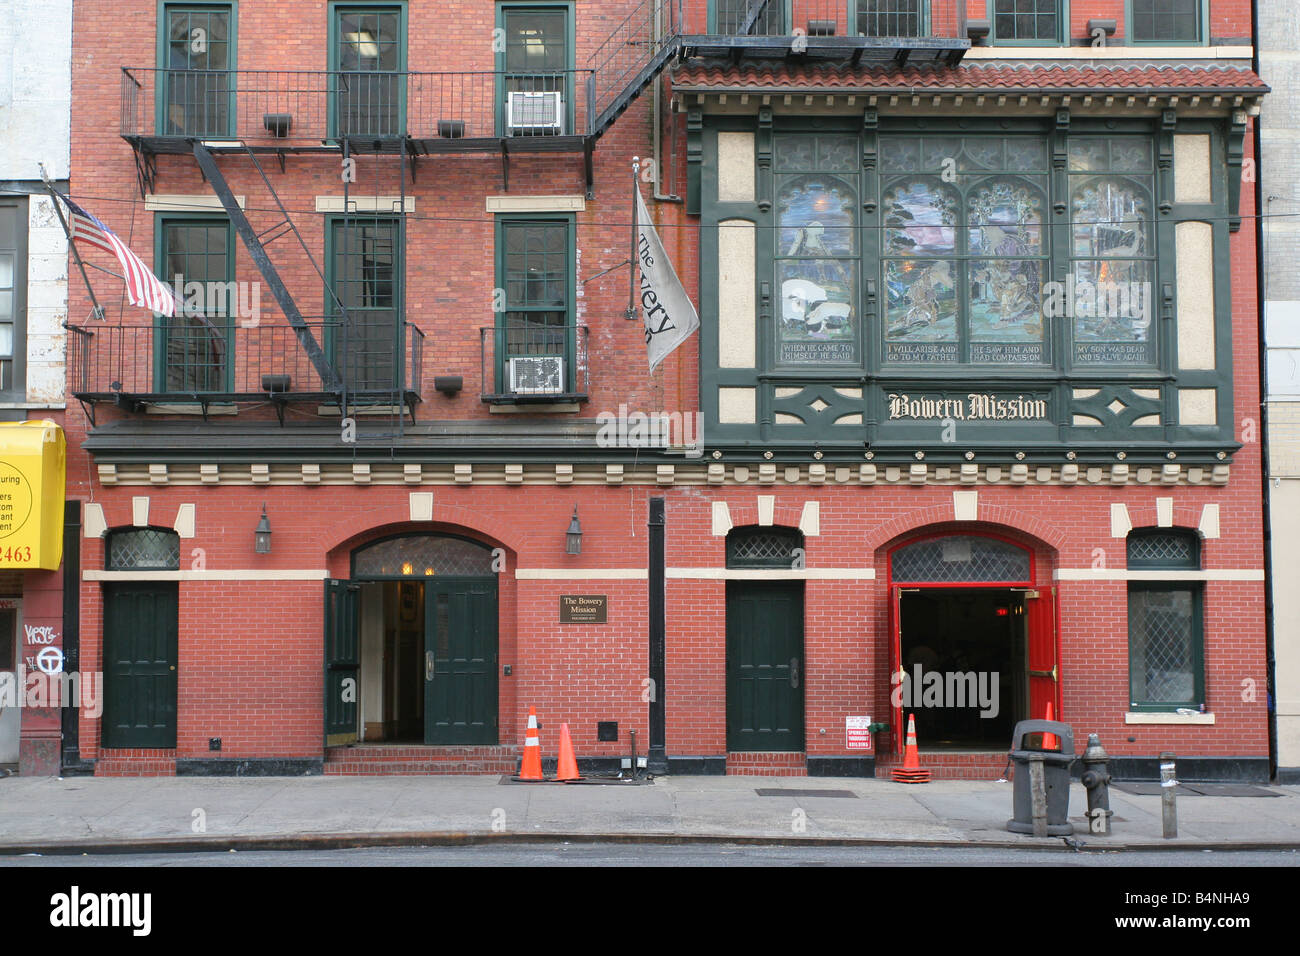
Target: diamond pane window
[1164,646]
[1165,641]
[423,556]
[763,547]
[960,558]
[146,549]
[1164,549]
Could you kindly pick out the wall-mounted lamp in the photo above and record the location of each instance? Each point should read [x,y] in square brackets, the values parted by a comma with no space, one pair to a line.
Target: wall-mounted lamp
[262,536]
[573,537]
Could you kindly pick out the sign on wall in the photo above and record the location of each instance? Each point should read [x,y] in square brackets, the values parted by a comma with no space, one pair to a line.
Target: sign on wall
[857,733]
[33,456]
[583,608]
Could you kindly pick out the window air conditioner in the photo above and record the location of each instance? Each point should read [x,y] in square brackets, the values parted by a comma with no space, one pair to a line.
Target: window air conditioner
[535,114]
[537,375]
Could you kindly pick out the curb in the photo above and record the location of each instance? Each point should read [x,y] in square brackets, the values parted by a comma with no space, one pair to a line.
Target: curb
[343,841]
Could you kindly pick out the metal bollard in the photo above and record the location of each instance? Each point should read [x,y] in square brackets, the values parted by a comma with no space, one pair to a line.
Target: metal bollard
[1168,808]
[1096,780]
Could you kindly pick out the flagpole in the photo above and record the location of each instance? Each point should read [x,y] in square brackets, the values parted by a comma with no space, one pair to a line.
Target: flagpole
[97,310]
[630,315]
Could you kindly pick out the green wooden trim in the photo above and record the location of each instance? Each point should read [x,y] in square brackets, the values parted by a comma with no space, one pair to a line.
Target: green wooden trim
[160,99]
[163,221]
[1203,28]
[504,220]
[570,42]
[1062,28]
[1054,382]
[1197,591]
[399,281]
[337,7]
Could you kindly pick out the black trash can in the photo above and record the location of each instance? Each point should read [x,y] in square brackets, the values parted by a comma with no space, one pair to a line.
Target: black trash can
[1056,775]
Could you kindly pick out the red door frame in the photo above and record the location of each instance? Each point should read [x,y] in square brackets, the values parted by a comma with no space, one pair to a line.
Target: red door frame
[1043,637]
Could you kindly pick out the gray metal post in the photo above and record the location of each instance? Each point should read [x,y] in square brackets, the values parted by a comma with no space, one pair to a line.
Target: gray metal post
[1168,784]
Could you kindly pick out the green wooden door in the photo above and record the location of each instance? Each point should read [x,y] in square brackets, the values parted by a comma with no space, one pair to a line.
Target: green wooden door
[764,666]
[460,662]
[140,660]
[342,663]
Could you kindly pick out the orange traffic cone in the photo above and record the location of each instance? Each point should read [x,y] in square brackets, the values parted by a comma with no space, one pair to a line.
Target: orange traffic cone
[531,768]
[911,771]
[568,766]
[1049,740]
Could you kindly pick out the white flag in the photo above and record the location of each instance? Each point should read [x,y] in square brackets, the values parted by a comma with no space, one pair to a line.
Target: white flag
[670,317]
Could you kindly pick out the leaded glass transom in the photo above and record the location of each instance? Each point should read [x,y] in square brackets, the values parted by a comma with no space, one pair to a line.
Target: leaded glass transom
[762,547]
[959,558]
[422,556]
[1169,549]
[145,549]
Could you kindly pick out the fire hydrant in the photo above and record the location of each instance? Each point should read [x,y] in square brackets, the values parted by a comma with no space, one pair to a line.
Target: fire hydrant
[1096,780]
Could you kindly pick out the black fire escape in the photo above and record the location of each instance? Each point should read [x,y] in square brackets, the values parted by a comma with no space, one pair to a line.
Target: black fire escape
[403,117]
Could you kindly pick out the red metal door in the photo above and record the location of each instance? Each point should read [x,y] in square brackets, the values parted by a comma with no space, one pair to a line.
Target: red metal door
[896,667]
[1044,675]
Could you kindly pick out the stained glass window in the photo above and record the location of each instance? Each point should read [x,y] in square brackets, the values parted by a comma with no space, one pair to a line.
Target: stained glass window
[817,250]
[964,249]
[1108,296]
[1166,669]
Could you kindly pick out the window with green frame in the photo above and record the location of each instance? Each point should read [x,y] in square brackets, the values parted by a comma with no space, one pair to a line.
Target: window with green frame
[1036,22]
[892,18]
[1166,21]
[193,348]
[1165,620]
[364,268]
[747,17]
[535,333]
[535,88]
[196,54]
[368,60]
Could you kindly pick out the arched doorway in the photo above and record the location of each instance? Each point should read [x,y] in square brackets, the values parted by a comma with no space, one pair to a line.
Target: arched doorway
[972,639]
[422,656]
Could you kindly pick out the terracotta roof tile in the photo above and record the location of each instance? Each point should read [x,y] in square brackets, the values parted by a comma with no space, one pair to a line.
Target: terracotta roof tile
[962,78]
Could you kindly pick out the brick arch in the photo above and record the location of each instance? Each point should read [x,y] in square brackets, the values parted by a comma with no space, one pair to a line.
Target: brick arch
[991,518]
[386,519]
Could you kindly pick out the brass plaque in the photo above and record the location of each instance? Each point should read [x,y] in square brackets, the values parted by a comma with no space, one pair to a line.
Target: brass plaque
[583,608]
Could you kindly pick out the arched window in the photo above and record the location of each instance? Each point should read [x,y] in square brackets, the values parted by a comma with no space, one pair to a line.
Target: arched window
[143,549]
[960,558]
[763,547]
[422,555]
[1165,629]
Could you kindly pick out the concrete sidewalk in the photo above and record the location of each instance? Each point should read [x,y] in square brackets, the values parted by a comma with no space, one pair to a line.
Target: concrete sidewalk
[89,814]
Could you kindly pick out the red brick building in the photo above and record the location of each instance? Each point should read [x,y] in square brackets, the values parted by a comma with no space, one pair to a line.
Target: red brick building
[978,331]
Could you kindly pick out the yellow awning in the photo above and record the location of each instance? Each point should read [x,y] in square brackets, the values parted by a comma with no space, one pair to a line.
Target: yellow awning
[33,458]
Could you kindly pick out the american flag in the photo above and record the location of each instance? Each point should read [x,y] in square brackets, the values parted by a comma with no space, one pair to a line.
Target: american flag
[143,288]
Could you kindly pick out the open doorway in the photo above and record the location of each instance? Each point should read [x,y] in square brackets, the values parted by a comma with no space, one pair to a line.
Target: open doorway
[392,653]
[965,665]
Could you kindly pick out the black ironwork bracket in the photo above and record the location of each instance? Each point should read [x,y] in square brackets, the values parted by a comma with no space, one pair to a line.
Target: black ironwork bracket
[146,169]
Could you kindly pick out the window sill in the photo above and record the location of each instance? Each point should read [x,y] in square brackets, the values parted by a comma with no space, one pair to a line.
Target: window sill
[552,408]
[170,408]
[1167,718]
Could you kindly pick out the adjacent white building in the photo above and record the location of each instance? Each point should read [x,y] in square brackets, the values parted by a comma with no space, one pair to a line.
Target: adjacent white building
[35,111]
[1279,53]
